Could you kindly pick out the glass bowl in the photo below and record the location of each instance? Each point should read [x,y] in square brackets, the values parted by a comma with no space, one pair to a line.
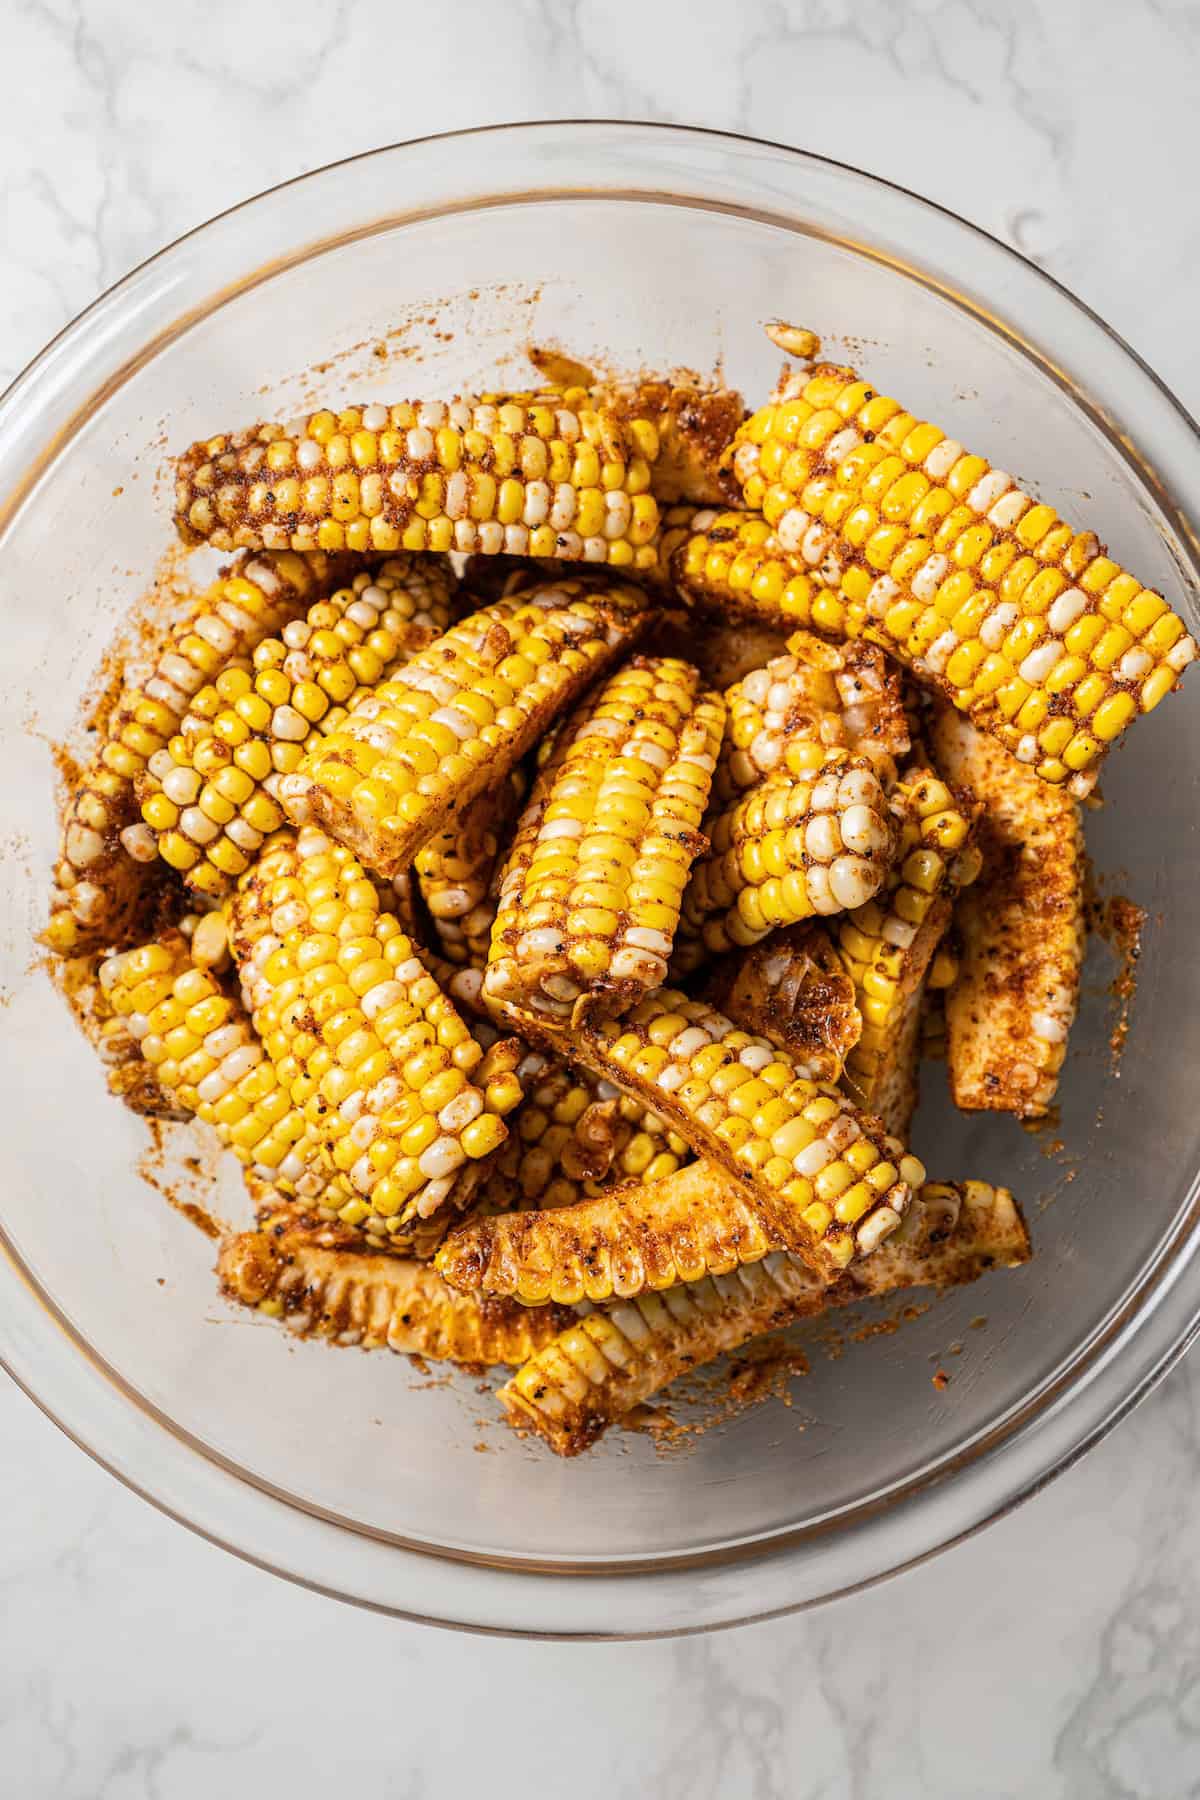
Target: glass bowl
[427,268]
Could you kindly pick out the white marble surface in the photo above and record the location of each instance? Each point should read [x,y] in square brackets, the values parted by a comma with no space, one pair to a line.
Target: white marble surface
[1058,1654]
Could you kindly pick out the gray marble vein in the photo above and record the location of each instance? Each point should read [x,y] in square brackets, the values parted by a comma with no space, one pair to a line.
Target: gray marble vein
[1058,1654]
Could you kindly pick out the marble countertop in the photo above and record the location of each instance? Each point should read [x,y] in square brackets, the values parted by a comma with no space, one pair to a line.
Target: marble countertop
[1059,1653]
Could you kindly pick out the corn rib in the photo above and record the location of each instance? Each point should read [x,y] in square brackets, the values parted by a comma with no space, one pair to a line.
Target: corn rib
[794,991]
[616,1358]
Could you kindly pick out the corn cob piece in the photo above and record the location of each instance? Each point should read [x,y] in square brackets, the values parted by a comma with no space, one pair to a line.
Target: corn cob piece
[794,991]
[278,1209]
[888,944]
[458,718]
[726,653]
[589,897]
[603,1365]
[572,1138]
[101,893]
[1009,1013]
[209,795]
[817,841]
[204,1056]
[828,1183]
[525,477]
[377,1301]
[455,868]
[695,427]
[693,1223]
[831,693]
[361,1036]
[1021,622]
[127,1076]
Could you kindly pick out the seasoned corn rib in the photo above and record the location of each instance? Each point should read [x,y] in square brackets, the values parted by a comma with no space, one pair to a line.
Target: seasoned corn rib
[816,840]
[896,1080]
[1010,1011]
[828,693]
[377,1301]
[209,796]
[602,1366]
[693,1223]
[526,477]
[828,1182]
[458,717]
[128,1076]
[695,427]
[362,1038]
[590,892]
[794,991]
[572,1138]
[102,887]
[1019,621]
[888,944]
[454,871]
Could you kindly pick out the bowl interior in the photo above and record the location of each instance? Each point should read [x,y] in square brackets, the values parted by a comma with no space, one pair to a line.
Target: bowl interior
[431,306]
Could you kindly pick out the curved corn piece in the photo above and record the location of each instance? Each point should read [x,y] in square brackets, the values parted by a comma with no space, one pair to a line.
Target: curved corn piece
[817,841]
[1011,1009]
[590,893]
[794,991]
[573,1137]
[693,1223]
[209,795]
[612,1360]
[832,693]
[525,477]
[361,1036]
[203,1054]
[376,1301]
[127,1076]
[458,717]
[888,944]
[103,897]
[828,1183]
[1020,621]
[454,871]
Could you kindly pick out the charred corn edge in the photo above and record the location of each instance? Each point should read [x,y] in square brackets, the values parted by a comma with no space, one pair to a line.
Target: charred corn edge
[617,1358]
[829,1184]
[895,1082]
[460,716]
[99,886]
[655,1235]
[209,794]
[796,845]
[1017,1046]
[589,895]
[375,1054]
[524,477]
[375,1301]
[1024,623]
[763,991]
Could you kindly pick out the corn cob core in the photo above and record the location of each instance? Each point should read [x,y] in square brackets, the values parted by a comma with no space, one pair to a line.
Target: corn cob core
[458,717]
[454,871]
[100,891]
[828,1182]
[620,1356]
[837,694]
[523,477]
[208,796]
[572,1137]
[373,1301]
[1023,623]
[590,894]
[887,944]
[1010,1011]
[793,990]
[362,1038]
[693,1223]
[204,1055]
[817,841]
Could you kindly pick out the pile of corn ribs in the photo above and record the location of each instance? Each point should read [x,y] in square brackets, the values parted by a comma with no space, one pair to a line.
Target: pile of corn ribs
[545,855]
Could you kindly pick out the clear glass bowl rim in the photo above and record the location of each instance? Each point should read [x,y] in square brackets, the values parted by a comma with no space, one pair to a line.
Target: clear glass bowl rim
[42,1351]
